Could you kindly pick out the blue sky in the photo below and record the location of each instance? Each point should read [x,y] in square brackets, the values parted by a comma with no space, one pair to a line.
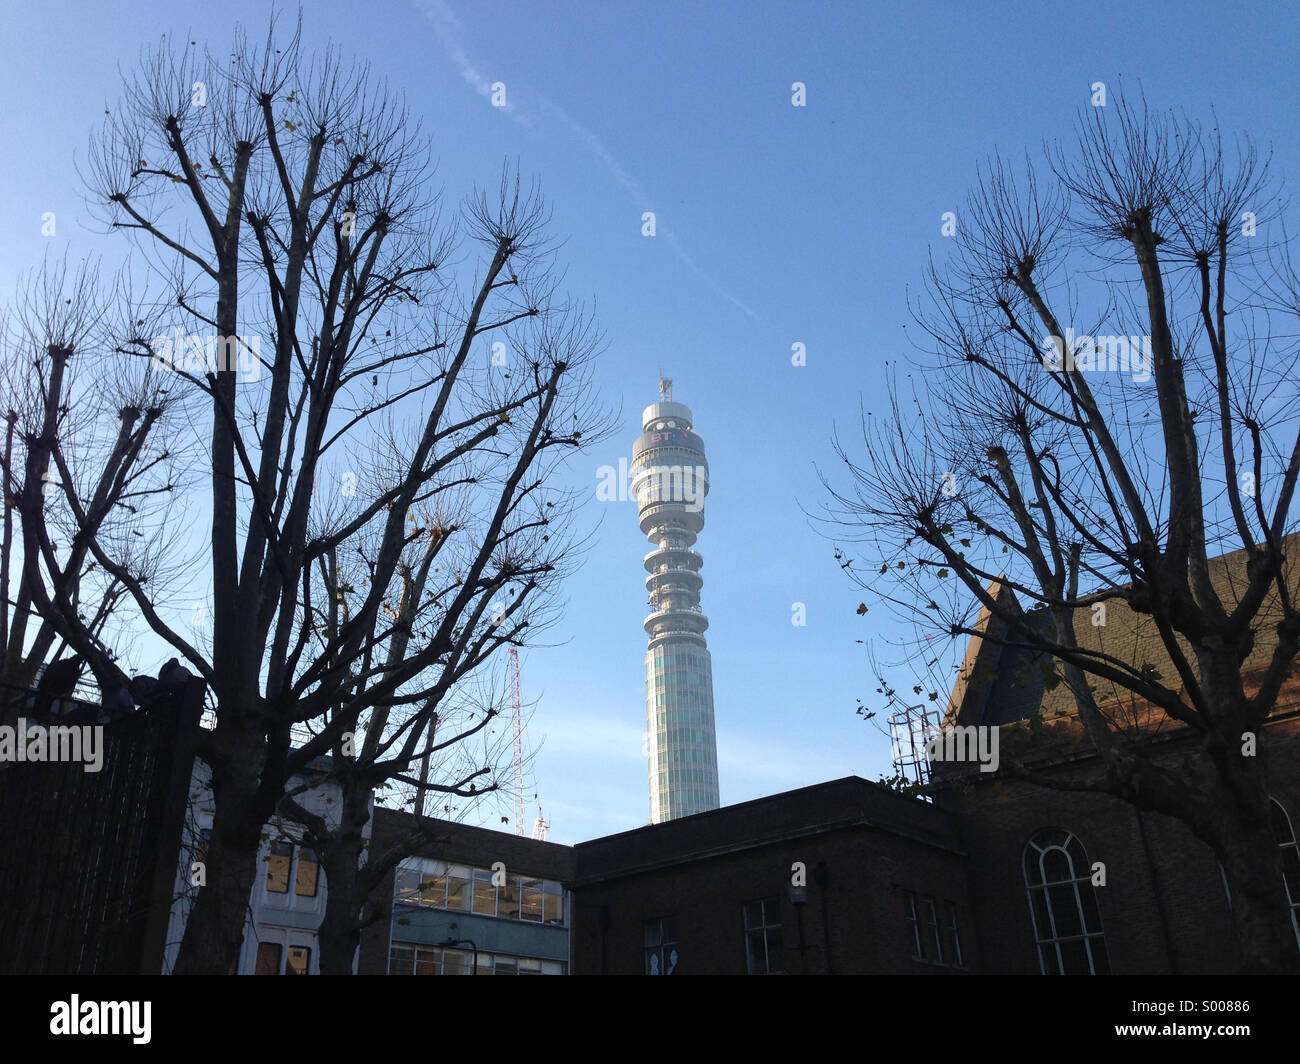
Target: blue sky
[776,225]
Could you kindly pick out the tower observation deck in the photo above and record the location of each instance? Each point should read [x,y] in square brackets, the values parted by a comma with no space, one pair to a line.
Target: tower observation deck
[670,478]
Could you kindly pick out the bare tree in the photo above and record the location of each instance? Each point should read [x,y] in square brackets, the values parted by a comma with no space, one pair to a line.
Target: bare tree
[434,734]
[318,313]
[101,484]
[1041,465]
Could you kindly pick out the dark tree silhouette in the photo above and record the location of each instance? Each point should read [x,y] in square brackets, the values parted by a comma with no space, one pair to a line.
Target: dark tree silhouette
[327,365]
[1040,464]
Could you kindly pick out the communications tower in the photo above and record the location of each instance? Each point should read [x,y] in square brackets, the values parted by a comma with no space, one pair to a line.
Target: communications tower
[670,478]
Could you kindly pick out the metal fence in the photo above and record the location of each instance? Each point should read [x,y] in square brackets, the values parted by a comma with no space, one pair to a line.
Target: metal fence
[88,859]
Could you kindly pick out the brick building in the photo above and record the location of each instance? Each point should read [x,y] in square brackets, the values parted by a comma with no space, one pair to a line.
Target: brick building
[994,874]
[843,877]
[1164,907]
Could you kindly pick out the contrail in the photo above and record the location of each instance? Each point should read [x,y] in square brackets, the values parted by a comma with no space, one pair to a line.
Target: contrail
[447,25]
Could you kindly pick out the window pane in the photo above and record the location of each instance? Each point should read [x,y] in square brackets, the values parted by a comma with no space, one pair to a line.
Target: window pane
[406,884]
[756,951]
[1291,873]
[753,914]
[456,962]
[1278,819]
[458,893]
[953,937]
[401,959]
[485,894]
[508,899]
[1056,866]
[308,871]
[428,962]
[505,966]
[775,951]
[530,899]
[433,889]
[934,942]
[1100,962]
[268,959]
[1033,874]
[299,962]
[553,908]
[277,867]
[653,931]
[1042,921]
[1075,955]
[1065,910]
[1091,917]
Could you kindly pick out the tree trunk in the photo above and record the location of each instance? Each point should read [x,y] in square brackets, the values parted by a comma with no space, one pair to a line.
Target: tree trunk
[346,890]
[1260,913]
[340,930]
[214,931]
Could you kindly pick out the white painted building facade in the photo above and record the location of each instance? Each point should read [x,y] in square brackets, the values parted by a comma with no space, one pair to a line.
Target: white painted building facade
[287,902]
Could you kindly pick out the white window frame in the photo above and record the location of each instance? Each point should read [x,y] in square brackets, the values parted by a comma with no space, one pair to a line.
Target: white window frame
[1053,939]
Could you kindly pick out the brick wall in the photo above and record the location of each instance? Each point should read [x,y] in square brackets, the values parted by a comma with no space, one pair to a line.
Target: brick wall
[1163,908]
[881,846]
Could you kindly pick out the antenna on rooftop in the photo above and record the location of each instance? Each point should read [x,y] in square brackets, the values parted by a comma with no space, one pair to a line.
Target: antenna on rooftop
[665,389]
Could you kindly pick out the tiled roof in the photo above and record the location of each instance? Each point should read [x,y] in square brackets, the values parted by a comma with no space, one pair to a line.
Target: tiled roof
[1000,684]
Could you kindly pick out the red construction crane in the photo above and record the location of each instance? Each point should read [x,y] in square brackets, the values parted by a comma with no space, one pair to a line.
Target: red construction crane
[519,741]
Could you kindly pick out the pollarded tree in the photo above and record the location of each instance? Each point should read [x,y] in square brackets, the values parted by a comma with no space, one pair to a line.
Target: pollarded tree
[99,487]
[315,304]
[436,733]
[1054,462]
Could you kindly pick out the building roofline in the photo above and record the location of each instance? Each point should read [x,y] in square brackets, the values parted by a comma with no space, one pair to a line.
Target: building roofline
[731,809]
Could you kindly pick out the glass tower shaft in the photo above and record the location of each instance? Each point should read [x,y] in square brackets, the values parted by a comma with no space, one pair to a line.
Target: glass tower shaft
[670,478]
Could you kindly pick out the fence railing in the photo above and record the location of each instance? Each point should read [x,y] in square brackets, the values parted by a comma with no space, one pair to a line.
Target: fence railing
[88,858]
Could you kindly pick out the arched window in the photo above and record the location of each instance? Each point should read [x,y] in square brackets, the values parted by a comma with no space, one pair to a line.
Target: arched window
[1285,835]
[1063,905]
